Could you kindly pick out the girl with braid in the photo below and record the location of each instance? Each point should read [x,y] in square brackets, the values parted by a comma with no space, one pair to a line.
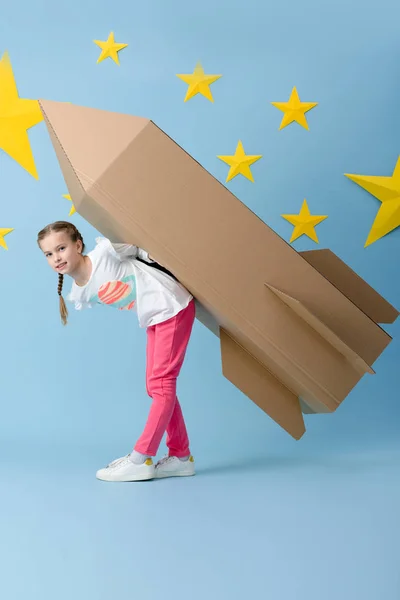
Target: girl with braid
[127,278]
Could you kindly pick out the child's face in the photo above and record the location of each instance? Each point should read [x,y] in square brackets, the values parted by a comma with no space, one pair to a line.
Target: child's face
[61,252]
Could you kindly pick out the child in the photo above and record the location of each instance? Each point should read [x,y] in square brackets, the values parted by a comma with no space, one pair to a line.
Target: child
[125,277]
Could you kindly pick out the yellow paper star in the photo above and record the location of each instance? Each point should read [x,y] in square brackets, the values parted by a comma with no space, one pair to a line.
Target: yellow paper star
[109,48]
[3,233]
[73,209]
[17,115]
[294,110]
[304,223]
[240,163]
[199,83]
[387,190]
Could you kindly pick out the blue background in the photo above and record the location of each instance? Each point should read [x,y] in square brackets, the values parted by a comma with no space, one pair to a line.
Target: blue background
[266,516]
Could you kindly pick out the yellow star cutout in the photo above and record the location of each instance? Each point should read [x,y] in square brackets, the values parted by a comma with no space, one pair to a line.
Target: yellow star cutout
[294,110]
[109,48]
[304,223]
[3,233]
[17,115]
[199,83]
[73,209]
[387,190]
[240,163]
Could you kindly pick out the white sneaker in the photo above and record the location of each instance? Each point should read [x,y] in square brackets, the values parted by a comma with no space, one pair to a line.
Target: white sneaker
[171,466]
[123,469]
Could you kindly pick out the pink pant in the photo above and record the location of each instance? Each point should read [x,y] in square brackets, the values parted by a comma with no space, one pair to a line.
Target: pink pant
[166,348]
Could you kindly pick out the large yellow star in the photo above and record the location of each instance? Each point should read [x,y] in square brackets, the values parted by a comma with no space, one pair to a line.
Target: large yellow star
[199,83]
[3,233]
[304,223]
[294,110]
[73,209]
[387,190]
[109,48]
[240,163]
[17,115]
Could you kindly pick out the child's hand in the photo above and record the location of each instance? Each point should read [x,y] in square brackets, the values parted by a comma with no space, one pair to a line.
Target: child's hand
[154,260]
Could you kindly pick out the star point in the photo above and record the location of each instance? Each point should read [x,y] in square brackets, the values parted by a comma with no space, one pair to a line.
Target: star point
[199,83]
[387,191]
[3,232]
[240,163]
[109,48]
[17,115]
[294,110]
[304,223]
[73,209]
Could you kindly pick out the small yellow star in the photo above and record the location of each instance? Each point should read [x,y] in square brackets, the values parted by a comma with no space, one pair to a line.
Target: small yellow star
[199,83]
[3,233]
[17,115]
[73,209]
[240,163]
[294,110]
[109,48]
[387,190]
[304,223]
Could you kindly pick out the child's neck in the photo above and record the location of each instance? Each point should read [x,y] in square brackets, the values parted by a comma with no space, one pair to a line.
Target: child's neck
[83,272]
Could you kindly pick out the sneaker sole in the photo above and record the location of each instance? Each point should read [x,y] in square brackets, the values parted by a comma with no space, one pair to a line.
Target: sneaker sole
[143,477]
[165,475]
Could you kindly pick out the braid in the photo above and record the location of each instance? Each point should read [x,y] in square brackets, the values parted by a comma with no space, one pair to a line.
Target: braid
[63,308]
[79,236]
[60,283]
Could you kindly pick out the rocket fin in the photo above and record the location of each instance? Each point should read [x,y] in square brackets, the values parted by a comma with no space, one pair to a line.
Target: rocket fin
[256,382]
[325,332]
[351,285]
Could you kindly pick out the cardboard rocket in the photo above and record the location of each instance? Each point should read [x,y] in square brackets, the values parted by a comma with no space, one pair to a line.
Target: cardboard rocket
[297,330]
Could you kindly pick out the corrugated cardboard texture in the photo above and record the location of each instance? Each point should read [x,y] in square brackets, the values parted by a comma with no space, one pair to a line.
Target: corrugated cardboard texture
[135,184]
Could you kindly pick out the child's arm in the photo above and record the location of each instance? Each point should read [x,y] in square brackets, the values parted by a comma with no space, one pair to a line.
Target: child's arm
[129,251]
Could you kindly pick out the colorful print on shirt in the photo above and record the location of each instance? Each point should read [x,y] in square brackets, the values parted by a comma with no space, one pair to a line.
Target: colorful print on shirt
[120,294]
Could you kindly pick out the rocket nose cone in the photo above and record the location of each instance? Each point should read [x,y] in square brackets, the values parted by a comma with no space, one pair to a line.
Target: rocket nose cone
[89,139]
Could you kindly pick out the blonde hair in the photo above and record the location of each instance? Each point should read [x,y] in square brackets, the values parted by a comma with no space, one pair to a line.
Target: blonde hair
[74,235]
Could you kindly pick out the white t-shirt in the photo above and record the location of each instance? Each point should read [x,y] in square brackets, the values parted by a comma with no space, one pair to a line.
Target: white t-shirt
[119,280]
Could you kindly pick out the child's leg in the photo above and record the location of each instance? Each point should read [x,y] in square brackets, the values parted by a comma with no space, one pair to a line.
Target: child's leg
[177,437]
[167,345]
[151,334]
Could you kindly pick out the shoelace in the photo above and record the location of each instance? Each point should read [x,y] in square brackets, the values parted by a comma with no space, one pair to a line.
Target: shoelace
[165,460]
[117,461]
